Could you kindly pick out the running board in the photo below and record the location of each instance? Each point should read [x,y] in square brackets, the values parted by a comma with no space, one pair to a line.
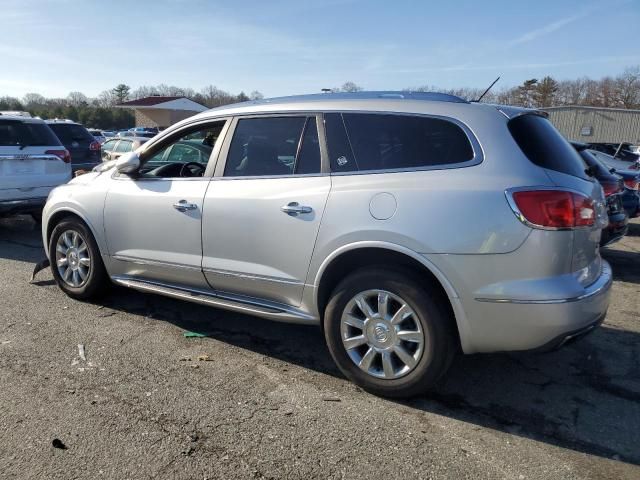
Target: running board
[270,311]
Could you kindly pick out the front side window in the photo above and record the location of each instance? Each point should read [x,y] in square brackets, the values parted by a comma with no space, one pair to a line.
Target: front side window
[183,155]
[274,146]
[369,142]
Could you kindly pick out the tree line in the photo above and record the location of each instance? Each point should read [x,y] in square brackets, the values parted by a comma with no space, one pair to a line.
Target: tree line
[101,112]
[621,91]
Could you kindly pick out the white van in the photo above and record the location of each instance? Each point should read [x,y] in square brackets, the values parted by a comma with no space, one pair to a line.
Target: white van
[32,163]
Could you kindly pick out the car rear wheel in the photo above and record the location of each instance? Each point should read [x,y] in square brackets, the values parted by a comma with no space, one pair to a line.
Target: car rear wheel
[388,333]
[75,260]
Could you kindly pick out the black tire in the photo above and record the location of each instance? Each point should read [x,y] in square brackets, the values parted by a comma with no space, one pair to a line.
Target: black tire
[97,281]
[432,313]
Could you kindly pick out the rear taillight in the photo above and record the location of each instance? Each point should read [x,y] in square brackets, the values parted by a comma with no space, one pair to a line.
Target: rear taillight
[553,208]
[632,183]
[611,188]
[95,146]
[63,154]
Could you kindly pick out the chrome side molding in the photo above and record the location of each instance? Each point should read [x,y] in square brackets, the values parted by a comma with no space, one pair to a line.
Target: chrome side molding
[235,303]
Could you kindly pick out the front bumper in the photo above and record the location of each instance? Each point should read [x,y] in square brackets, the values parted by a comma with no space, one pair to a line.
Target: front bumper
[514,325]
[23,205]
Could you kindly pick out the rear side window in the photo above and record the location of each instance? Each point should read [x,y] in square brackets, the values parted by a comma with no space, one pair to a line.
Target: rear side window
[359,141]
[124,146]
[109,145]
[543,145]
[273,146]
[17,133]
[71,133]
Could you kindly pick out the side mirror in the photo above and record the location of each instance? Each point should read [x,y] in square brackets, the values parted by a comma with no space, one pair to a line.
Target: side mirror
[128,163]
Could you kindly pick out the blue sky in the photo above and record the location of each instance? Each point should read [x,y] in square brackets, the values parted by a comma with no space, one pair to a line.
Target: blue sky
[285,47]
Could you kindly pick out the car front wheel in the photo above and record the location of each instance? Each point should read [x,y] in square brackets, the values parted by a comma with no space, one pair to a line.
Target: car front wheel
[75,260]
[388,333]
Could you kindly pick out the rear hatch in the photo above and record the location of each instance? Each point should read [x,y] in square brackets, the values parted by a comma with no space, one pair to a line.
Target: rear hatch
[31,160]
[546,147]
[83,147]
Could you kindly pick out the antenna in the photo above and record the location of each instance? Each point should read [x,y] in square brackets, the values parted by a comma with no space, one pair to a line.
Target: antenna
[487,90]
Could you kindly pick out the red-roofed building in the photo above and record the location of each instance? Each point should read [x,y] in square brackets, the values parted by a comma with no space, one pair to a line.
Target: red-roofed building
[159,111]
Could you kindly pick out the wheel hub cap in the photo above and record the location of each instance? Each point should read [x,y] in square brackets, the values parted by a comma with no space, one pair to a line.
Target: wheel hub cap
[382,334]
[72,258]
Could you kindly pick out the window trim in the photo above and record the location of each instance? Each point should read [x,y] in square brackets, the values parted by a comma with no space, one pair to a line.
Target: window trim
[478,152]
[222,159]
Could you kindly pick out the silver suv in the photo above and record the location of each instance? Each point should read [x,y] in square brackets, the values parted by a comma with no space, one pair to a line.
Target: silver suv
[408,226]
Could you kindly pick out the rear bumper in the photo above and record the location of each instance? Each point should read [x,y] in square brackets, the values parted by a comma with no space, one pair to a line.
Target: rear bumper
[23,205]
[510,324]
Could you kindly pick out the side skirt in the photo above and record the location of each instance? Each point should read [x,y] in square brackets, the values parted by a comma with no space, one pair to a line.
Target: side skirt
[235,303]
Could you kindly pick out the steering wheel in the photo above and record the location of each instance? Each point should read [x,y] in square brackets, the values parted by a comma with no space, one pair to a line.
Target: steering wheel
[188,171]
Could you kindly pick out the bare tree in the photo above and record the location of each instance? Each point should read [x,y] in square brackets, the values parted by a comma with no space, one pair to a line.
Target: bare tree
[256,95]
[31,100]
[76,99]
[627,88]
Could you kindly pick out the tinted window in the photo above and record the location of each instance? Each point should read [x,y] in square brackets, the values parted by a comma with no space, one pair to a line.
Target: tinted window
[15,133]
[383,142]
[308,157]
[68,133]
[544,146]
[272,146]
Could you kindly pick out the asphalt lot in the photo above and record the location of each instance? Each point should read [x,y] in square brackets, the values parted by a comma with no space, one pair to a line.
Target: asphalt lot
[268,402]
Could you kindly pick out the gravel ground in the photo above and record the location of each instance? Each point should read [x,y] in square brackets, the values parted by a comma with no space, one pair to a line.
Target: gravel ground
[257,399]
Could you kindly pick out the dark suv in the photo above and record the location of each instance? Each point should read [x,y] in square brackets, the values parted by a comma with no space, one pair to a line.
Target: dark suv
[83,147]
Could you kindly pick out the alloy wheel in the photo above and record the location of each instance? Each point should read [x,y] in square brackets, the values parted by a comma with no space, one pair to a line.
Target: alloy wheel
[382,334]
[73,259]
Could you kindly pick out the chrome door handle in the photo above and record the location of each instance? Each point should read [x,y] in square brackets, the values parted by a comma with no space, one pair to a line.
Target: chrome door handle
[183,206]
[294,208]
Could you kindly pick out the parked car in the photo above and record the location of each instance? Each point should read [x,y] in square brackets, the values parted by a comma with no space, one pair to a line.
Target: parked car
[631,178]
[32,163]
[83,147]
[617,150]
[407,225]
[116,147]
[97,134]
[131,133]
[612,162]
[109,133]
[613,187]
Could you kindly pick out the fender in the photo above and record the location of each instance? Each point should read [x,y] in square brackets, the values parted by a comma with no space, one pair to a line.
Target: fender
[452,294]
[71,208]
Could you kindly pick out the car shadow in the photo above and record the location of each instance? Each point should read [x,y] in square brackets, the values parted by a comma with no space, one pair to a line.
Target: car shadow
[20,239]
[634,229]
[583,397]
[624,263]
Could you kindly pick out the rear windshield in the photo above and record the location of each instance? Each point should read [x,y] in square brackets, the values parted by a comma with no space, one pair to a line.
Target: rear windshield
[544,146]
[17,133]
[70,132]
